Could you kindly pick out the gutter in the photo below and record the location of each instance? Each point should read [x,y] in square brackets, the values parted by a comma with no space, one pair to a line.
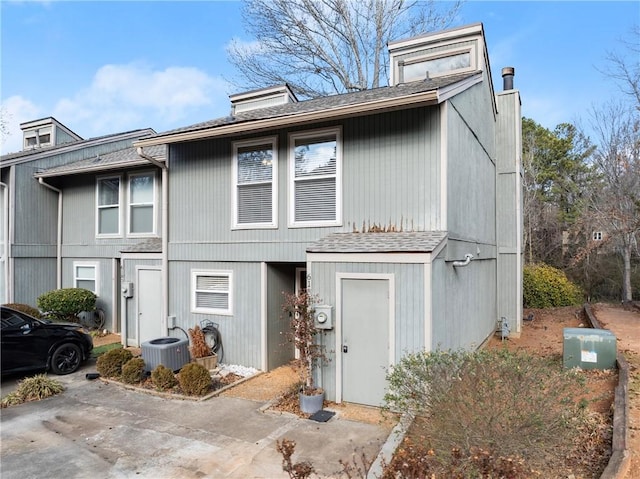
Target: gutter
[431,97]
[164,167]
[59,235]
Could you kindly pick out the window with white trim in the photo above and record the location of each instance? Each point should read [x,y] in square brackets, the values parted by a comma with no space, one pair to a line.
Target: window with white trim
[255,166]
[85,276]
[37,138]
[211,292]
[109,213]
[315,178]
[597,236]
[419,69]
[142,203]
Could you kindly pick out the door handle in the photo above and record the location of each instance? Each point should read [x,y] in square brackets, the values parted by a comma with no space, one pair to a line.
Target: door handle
[345,348]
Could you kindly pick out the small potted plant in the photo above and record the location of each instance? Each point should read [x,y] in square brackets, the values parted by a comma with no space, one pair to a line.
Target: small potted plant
[200,351]
[300,310]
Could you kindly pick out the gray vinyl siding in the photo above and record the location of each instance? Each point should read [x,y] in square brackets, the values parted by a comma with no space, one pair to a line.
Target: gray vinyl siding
[79,199]
[509,217]
[241,332]
[471,183]
[33,277]
[63,137]
[39,205]
[409,307]
[464,312]
[35,213]
[378,151]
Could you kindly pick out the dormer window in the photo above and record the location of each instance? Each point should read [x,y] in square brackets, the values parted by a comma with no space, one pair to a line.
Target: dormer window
[46,132]
[420,68]
[455,51]
[263,98]
[37,138]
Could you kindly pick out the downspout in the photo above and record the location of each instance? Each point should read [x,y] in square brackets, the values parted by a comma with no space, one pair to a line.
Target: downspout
[467,259]
[165,229]
[59,236]
[6,243]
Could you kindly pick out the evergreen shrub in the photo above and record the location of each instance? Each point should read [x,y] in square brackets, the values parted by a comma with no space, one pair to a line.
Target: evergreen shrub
[544,286]
[65,304]
[110,364]
[163,378]
[133,371]
[195,379]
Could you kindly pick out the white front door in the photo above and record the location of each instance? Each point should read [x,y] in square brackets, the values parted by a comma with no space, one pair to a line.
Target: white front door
[149,304]
[365,345]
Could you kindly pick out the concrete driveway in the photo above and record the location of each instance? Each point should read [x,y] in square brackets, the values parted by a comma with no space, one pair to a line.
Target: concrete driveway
[98,430]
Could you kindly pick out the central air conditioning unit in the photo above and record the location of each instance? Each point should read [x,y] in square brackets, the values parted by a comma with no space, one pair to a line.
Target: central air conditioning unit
[172,353]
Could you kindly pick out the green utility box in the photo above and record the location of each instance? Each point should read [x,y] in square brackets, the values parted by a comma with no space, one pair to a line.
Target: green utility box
[588,348]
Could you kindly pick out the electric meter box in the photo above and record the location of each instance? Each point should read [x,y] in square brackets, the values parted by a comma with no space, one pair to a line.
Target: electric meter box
[588,348]
[323,316]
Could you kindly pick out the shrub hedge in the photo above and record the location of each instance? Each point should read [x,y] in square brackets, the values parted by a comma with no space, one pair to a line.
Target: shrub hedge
[65,304]
[546,287]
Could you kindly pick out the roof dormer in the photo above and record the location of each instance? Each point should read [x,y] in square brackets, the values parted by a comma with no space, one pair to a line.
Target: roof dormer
[46,132]
[263,98]
[450,52]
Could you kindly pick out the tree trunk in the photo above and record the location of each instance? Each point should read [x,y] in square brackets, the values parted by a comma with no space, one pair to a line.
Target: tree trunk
[626,275]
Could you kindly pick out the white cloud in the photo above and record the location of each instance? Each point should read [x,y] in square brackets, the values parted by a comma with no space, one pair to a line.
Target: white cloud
[131,96]
[16,110]
[125,97]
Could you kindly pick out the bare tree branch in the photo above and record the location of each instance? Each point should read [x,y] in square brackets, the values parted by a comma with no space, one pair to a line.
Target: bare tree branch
[615,203]
[320,47]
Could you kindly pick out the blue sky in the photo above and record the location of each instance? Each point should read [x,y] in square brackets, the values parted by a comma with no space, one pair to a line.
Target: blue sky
[113,66]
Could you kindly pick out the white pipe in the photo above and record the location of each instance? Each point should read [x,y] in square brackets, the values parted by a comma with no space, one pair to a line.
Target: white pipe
[165,227]
[59,237]
[5,244]
[467,259]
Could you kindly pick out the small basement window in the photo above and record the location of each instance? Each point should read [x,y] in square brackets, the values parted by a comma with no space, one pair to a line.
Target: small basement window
[211,292]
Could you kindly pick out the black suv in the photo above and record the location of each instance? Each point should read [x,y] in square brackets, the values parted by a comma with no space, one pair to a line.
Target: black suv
[30,344]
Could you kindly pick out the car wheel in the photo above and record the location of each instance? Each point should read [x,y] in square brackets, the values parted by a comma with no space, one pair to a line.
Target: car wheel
[66,359]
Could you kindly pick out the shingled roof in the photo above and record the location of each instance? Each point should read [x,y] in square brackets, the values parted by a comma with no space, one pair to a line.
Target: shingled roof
[405,94]
[393,242]
[126,157]
[46,151]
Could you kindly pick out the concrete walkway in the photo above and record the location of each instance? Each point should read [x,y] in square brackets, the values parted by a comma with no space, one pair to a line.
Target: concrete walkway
[101,430]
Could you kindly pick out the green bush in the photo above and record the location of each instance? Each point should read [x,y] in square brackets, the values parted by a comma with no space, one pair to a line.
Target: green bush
[133,371]
[163,378]
[546,287]
[65,304]
[34,388]
[494,400]
[194,380]
[25,308]
[109,365]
